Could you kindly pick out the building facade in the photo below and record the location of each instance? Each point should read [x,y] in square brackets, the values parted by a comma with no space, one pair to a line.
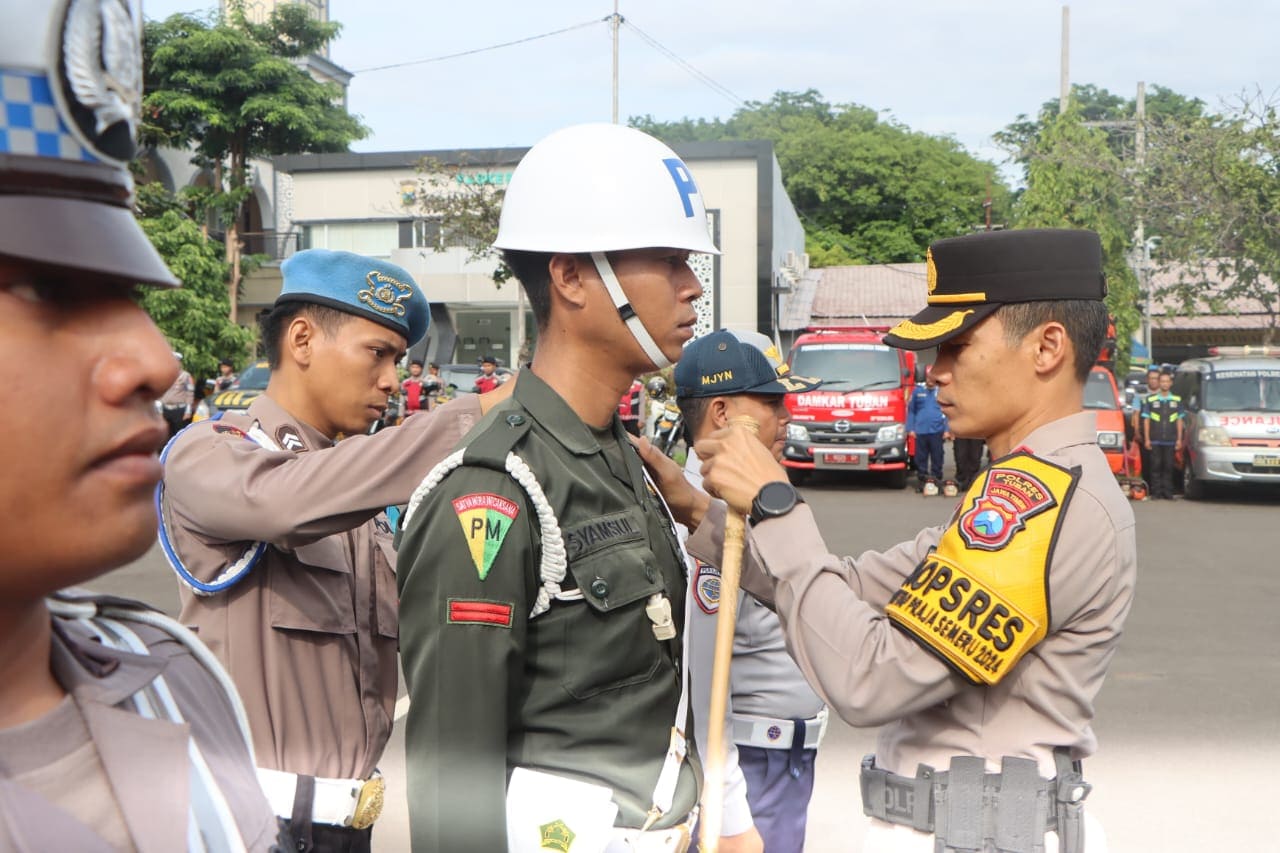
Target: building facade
[371,204]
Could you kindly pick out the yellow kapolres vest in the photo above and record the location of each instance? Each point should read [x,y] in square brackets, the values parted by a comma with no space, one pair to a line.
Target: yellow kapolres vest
[980,600]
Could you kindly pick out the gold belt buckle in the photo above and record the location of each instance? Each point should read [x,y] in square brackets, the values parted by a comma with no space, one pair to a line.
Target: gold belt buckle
[369,804]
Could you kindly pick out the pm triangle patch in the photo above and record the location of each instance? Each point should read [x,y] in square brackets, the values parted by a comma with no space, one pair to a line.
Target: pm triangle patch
[485,518]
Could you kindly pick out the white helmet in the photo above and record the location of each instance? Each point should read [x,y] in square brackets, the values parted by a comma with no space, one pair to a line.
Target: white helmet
[602,188]
[596,188]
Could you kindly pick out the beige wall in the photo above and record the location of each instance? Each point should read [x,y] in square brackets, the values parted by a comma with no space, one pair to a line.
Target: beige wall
[368,194]
[730,187]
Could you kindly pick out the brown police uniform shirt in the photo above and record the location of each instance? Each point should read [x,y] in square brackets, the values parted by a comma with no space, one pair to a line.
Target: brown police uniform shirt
[94,775]
[833,612]
[310,634]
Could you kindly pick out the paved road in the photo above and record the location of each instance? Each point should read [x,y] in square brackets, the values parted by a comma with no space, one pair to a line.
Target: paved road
[1189,719]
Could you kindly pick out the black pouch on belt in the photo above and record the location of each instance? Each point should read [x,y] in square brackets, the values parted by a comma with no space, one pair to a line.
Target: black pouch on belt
[1070,791]
[958,806]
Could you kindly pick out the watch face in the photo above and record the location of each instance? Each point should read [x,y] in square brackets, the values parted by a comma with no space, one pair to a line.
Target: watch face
[776,498]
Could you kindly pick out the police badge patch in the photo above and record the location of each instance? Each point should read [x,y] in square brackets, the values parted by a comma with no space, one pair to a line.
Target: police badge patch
[706,588]
[1009,497]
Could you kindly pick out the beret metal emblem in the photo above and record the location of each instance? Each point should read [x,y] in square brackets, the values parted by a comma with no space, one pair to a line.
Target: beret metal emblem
[101,70]
[385,294]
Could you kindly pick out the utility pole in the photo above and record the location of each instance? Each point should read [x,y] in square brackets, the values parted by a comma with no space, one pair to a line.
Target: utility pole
[1064,81]
[987,203]
[1140,233]
[614,21]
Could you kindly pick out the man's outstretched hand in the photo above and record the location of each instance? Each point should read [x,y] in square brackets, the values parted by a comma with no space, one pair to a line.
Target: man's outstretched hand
[687,504]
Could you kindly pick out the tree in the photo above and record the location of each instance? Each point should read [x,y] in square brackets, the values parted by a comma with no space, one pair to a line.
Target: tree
[1075,180]
[194,317]
[1207,193]
[233,91]
[1097,107]
[1212,194]
[868,189]
[459,205]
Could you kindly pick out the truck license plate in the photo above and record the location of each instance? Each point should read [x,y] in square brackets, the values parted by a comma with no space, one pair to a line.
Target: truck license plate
[1266,462]
[842,459]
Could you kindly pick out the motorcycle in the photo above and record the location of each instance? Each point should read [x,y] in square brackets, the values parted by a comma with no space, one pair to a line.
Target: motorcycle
[669,428]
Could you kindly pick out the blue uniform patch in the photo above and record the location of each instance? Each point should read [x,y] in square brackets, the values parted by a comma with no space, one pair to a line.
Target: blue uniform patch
[706,587]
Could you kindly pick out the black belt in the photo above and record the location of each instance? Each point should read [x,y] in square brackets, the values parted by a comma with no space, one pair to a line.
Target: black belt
[966,808]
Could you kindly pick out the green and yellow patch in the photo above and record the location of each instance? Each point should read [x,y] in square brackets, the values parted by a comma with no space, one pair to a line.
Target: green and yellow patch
[485,520]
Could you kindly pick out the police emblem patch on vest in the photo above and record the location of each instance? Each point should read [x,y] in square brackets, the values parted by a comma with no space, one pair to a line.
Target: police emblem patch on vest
[1009,498]
[706,588]
[980,600]
[485,520]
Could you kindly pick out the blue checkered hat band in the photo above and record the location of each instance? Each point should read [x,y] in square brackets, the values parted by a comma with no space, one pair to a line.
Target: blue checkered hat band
[29,120]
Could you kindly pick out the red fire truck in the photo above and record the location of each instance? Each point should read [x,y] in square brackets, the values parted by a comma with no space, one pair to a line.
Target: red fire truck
[856,421]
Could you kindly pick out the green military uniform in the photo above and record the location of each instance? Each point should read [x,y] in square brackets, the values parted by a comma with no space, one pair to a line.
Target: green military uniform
[582,689]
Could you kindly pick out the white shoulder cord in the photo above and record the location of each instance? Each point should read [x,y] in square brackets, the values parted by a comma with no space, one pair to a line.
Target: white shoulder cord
[551,572]
[555,560]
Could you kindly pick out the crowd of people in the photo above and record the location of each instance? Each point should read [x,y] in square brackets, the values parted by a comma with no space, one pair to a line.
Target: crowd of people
[548,579]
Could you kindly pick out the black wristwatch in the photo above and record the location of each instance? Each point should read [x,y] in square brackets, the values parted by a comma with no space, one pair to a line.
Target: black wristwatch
[774,499]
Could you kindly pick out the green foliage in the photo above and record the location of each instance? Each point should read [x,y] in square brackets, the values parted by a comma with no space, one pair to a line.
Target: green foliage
[460,210]
[231,89]
[1075,180]
[1212,195]
[1208,194]
[193,317]
[1110,113]
[868,189]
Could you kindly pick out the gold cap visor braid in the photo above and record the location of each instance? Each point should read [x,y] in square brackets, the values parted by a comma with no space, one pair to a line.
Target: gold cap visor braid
[937,324]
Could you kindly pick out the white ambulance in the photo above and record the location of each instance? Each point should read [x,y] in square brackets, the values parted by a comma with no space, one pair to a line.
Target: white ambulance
[1232,408]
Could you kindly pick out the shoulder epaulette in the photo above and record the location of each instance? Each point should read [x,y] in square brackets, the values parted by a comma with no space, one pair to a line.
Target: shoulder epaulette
[494,440]
[493,447]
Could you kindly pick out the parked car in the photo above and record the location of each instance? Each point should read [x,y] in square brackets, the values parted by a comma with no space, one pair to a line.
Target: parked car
[252,382]
[1103,398]
[1232,427]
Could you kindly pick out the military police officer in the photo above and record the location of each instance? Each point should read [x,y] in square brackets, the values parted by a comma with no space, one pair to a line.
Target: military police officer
[118,730]
[980,646]
[280,542]
[541,585]
[775,720]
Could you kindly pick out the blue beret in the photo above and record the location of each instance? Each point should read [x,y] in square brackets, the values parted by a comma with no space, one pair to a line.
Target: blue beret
[367,287]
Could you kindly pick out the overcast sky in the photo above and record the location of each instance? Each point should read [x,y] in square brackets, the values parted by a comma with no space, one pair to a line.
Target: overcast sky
[940,66]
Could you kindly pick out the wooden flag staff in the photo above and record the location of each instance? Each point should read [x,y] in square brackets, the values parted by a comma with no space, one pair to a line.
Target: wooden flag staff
[726,621]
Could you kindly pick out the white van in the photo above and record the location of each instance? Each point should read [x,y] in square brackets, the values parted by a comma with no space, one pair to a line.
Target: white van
[1232,410]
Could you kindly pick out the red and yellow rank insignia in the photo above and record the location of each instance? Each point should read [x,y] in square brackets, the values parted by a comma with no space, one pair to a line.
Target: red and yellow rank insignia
[485,520]
[1008,498]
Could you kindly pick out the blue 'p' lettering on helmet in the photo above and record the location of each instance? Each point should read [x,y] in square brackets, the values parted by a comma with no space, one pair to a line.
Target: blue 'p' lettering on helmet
[684,182]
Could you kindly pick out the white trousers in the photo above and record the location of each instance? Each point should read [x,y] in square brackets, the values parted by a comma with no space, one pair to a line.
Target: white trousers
[884,837]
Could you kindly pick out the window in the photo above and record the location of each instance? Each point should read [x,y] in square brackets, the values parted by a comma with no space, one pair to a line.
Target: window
[376,239]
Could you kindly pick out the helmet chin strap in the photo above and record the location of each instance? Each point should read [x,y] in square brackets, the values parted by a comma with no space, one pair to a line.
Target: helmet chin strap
[627,313]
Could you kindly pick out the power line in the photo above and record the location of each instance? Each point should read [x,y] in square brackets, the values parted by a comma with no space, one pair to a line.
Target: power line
[723,91]
[592,22]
